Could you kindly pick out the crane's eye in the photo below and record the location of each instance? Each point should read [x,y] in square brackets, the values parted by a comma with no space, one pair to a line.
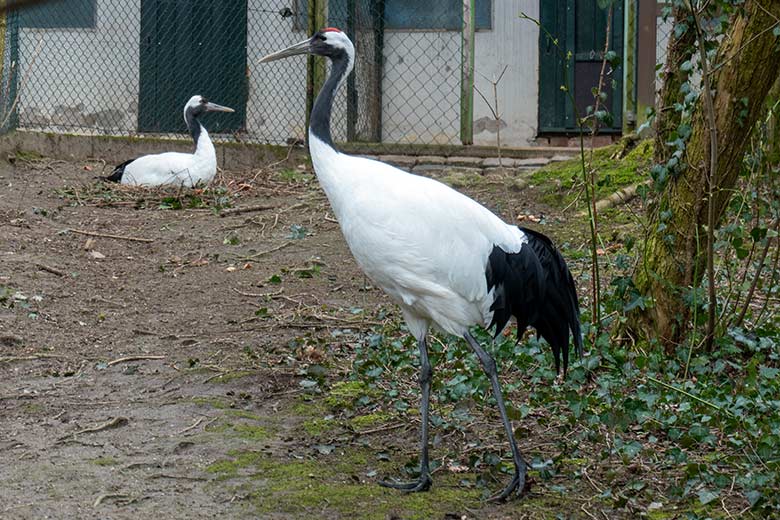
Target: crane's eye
[203,101]
[320,36]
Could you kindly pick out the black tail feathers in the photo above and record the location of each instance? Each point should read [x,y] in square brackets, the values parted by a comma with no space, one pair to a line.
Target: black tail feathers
[119,171]
[536,287]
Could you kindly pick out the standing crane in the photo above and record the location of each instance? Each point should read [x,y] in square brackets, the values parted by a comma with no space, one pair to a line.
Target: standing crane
[443,258]
[176,168]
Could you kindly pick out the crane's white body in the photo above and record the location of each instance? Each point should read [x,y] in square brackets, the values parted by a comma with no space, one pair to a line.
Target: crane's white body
[175,168]
[444,258]
[420,241]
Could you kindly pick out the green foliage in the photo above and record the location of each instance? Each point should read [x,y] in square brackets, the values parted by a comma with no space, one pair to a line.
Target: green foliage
[714,435]
[562,181]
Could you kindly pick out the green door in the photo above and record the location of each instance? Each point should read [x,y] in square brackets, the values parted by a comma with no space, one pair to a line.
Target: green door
[192,47]
[580,28]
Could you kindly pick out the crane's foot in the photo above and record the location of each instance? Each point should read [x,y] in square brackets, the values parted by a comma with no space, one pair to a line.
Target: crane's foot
[518,486]
[416,486]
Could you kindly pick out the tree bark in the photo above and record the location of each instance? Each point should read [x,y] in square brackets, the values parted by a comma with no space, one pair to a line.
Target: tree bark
[745,68]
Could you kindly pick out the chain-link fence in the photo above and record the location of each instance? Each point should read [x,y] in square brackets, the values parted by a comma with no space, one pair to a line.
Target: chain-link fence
[125,67]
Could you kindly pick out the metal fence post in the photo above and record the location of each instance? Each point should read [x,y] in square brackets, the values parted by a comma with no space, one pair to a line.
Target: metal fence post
[378,12]
[352,98]
[315,76]
[9,79]
[629,66]
[467,74]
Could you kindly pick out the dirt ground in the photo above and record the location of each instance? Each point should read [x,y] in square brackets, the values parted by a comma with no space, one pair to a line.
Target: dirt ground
[155,367]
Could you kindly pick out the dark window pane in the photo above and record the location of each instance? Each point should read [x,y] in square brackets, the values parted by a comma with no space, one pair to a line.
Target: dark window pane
[60,14]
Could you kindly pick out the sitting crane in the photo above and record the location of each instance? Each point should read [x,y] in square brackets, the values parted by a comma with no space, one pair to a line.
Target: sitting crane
[443,258]
[176,168]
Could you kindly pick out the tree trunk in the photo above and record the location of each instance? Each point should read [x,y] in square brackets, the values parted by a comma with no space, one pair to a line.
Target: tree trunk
[678,50]
[746,66]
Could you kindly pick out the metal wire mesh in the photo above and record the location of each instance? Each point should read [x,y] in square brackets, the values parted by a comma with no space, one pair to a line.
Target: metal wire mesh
[664,28]
[125,67]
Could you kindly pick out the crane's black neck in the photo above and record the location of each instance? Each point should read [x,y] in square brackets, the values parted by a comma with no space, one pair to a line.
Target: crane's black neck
[193,124]
[319,124]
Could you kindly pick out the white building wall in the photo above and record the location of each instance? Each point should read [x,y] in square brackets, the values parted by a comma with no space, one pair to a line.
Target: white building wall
[421,87]
[277,90]
[83,77]
[513,43]
[89,78]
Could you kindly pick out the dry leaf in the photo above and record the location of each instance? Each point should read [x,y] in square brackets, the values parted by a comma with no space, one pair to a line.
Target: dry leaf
[458,468]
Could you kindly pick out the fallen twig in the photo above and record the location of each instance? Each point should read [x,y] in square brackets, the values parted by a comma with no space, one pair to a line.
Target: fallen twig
[180,477]
[622,196]
[106,235]
[50,269]
[272,250]
[132,358]
[259,295]
[99,500]
[699,399]
[245,209]
[9,359]
[194,425]
[381,428]
[111,423]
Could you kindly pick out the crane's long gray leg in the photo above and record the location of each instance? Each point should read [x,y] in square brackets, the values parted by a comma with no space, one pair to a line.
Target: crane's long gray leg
[489,366]
[426,375]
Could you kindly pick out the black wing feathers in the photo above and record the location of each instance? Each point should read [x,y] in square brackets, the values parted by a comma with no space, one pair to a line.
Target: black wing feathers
[116,175]
[537,288]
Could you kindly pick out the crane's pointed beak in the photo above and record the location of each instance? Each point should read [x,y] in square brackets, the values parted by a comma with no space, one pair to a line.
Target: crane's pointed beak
[213,107]
[303,47]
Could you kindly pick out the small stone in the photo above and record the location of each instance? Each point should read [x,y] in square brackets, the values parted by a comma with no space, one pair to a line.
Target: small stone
[520,184]
[495,161]
[532,161]
[462,171]
[400,160]
[464,161]
[96,255]
[431,159]
[499,171]
[428,169]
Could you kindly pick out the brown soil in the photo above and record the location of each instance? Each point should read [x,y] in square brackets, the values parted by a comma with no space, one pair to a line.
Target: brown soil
[131,369]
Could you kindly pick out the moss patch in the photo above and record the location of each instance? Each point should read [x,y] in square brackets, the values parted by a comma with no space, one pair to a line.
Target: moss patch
[295,487]
[317,427]
[250,432]
[231,376]
[105,461]
[363,422]
[215,402]
[27,155]
[243,414]
[612,172]
[345,394]
[462,179]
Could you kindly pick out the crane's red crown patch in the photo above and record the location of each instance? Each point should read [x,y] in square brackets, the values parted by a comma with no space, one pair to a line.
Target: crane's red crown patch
[331,29]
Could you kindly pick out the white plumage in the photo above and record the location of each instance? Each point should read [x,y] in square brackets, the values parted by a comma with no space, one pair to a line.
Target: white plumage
[176,168]
[423,243]
[444,258]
